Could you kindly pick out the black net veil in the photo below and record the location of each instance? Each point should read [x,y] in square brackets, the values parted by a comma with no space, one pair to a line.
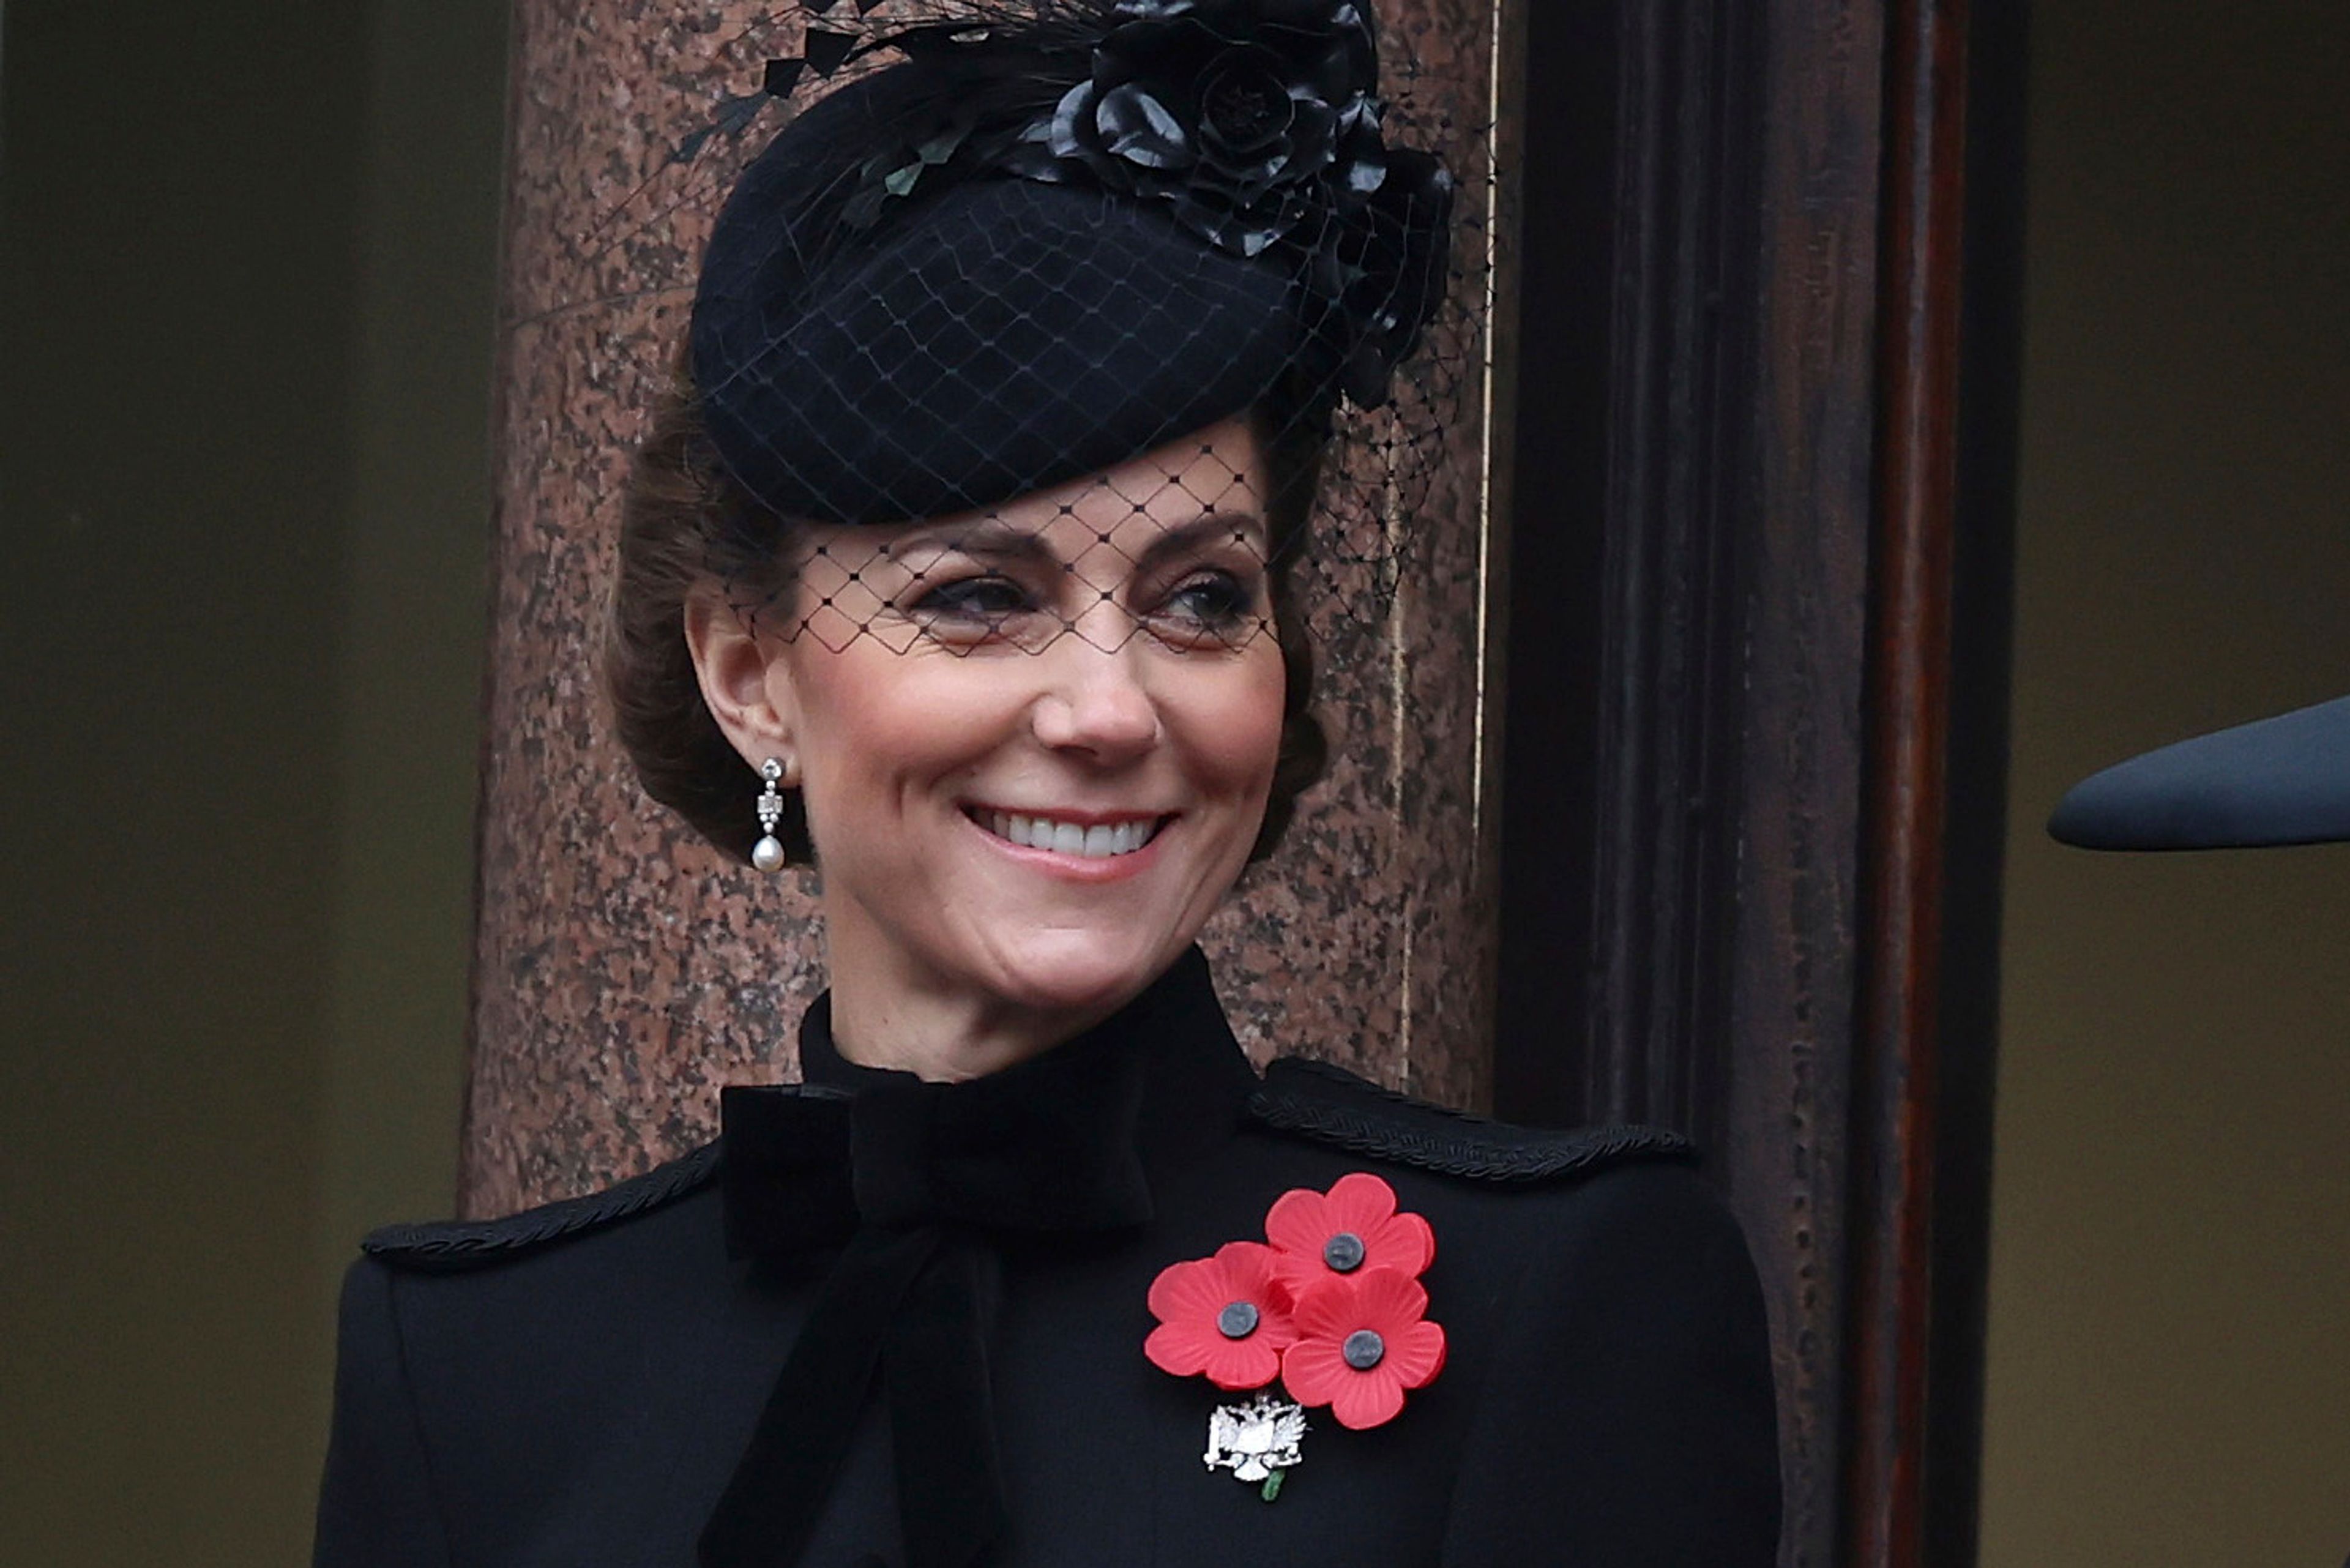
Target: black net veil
[1104,319]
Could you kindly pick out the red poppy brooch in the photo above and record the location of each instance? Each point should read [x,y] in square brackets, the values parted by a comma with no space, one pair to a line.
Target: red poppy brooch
[1329,1304]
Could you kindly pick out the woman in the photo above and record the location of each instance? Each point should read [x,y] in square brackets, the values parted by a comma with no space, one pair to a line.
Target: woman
[959,566]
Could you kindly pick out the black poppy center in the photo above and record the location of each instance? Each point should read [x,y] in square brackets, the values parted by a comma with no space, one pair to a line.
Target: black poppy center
[1364,1349]
[1244,106]
[1237,1321]
[1344,1251]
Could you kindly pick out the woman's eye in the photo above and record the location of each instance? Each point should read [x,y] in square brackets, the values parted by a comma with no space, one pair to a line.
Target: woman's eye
[985,598]
[1212,600]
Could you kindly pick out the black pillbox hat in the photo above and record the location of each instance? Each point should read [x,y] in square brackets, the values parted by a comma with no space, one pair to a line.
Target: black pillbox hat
[987,338]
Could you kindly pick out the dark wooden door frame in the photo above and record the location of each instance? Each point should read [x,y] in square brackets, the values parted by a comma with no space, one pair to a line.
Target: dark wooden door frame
[1760,520]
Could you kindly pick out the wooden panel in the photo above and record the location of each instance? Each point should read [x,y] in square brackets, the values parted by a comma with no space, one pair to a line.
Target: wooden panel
[1734,743]
[1905,811]
[1709,248]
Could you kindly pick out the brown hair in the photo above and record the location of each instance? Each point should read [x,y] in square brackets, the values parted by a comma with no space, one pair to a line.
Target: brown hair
[685,522]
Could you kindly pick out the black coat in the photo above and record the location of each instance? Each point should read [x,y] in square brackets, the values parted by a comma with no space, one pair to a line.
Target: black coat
[578,1384]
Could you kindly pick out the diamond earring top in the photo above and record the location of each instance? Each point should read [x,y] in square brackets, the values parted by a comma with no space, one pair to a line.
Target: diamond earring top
[767,855]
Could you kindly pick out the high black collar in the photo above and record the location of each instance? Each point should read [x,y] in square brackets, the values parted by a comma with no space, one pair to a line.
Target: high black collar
[1071,1138]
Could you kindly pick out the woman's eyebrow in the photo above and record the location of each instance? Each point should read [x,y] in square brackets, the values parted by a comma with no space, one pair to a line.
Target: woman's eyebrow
[989,537]
[997,538]
[1183,538]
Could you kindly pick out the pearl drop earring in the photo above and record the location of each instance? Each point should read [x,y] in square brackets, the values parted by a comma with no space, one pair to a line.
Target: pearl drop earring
[767,855]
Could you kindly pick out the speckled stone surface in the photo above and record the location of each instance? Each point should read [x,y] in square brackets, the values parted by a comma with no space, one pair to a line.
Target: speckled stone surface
[623,970]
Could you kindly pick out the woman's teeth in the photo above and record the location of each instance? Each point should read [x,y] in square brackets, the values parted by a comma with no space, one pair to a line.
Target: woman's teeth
[1097,843]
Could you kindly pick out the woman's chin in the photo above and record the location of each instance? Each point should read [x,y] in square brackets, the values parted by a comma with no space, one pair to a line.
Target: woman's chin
[1076,972]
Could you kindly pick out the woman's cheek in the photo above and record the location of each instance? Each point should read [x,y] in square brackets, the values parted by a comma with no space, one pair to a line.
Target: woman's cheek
[1269,706]
[901,715]
[1237,731]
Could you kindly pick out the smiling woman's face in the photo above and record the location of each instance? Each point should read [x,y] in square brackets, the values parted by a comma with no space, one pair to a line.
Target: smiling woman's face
[1035,746]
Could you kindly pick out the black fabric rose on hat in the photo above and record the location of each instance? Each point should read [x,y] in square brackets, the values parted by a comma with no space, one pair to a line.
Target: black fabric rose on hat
[1247,118]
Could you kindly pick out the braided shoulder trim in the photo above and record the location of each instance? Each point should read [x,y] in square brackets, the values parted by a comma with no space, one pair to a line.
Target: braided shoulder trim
[454,1244]
[1329,1105]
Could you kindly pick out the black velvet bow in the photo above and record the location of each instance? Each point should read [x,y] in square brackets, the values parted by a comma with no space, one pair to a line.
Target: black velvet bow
[914,1180]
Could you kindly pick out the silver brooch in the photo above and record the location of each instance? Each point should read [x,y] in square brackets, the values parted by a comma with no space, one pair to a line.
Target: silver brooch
[1257,1441]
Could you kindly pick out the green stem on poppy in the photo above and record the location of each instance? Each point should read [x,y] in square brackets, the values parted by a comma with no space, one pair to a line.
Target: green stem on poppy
[1271,1486]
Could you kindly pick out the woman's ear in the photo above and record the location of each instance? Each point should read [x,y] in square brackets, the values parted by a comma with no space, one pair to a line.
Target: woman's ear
[746,680]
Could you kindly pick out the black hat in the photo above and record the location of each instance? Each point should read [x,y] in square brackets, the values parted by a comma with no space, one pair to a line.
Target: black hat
[2277,781]
[1022,252]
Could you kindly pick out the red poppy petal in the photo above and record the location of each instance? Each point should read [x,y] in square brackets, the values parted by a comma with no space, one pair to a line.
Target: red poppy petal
[1327,1310]
[1285,1281]
[1187,1291]
[1388,1299]
[1243,1363]
[1359,1203]
[1245,1267]
[1427,1239]
[1176,1348]
[1314,1370]
[1276,1319]
[1294,1276]
[1368,1399]
[1294,1223]
[1417,1355]
[1404,1242]
[1299,1271]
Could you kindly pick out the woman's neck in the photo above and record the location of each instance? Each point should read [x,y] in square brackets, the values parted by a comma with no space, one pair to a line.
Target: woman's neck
[897,1014]
[941,1038]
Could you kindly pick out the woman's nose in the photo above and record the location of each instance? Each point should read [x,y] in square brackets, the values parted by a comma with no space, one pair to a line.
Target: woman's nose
[1094,702]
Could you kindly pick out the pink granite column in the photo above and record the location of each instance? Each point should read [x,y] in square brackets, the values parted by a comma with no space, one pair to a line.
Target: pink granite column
[623,971]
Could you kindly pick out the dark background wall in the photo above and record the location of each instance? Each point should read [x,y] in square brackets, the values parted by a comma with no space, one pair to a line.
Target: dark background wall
[2171,1280]
[245,265]
[246,272]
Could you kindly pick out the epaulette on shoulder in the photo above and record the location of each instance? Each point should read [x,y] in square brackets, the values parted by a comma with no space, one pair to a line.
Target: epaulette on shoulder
[1327,1105]
[451,1245]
